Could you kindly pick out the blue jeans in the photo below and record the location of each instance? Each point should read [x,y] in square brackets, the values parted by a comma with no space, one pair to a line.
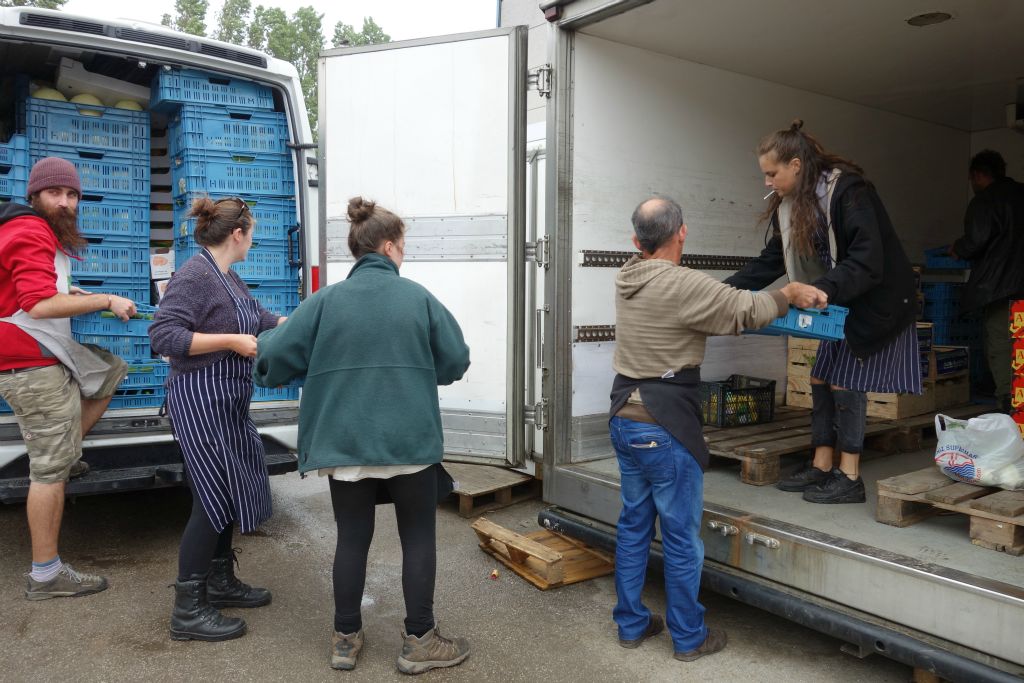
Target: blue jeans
[660,478]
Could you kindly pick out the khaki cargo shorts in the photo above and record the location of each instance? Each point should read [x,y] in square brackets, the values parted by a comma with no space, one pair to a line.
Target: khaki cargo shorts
[47,403]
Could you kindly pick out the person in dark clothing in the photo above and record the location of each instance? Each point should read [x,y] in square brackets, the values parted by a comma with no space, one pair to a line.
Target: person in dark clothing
[993,242]
[373,349]
[207,324]
[830,230]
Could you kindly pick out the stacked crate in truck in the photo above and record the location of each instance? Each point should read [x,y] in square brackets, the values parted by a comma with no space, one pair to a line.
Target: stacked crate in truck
[13,182]
[225,140]
[951,328]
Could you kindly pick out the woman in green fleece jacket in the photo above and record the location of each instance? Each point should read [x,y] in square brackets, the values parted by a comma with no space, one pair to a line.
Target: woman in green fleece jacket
[373,350]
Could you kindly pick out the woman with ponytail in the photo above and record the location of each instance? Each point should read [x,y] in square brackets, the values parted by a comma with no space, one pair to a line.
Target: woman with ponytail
[207,325]
[373,349]
[830,230]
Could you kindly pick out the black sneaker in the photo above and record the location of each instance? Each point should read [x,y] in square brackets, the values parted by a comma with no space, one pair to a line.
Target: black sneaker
[803,478]
[839,488]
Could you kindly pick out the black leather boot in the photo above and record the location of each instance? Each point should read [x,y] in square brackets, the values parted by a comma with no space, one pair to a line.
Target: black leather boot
[193,618]
[225,590]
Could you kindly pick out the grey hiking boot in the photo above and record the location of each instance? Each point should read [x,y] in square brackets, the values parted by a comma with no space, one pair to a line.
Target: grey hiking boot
[345,648]
[67,584]
[714,642]
[432,651]
[655,626]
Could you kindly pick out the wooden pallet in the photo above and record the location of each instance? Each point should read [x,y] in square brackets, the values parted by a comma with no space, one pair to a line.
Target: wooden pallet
[483,487]
[544,558]
[997,516]
[759,448]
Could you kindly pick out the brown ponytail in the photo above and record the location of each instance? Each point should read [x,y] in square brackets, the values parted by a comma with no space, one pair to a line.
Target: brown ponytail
[216,220]
[793,143]
[371,226]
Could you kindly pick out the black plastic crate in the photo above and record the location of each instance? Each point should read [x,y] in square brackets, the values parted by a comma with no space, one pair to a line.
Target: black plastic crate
[737,400]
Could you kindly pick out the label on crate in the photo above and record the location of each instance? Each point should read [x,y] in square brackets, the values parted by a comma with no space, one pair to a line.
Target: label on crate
[1017,362]
[1017,319]
[1017,395]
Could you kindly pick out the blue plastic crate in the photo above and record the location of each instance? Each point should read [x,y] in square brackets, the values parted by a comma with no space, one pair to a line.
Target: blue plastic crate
[14,152]
[265,261]
[122,345]
[114,216]
[107,176]
[288,393]
[228,129]
[151,397]
[281,297]
[810,323]
[105,322]
[53,125]
[939,257]
[221,173]
[146,374]
[190,86]
[111,258]
[942,291]
[274,215]
[4,408]
[134,288]
[13,182]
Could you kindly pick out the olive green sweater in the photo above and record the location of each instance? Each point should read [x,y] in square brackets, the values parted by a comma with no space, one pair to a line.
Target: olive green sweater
[665,312]
[373,350]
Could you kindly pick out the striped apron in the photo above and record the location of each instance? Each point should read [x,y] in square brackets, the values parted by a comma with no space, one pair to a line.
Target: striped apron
[209,410]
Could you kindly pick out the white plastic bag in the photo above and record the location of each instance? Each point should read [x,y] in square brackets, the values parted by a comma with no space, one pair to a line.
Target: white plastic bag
[986,450]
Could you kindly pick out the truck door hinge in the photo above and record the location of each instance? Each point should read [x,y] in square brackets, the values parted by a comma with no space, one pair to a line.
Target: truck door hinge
[537,414]
[538,252]
[539,79]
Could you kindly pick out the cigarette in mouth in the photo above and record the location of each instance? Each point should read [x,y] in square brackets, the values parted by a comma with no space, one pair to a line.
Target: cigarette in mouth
[768,195]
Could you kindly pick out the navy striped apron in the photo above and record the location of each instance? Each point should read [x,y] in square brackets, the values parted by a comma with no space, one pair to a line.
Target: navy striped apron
[209,411]
[894,369]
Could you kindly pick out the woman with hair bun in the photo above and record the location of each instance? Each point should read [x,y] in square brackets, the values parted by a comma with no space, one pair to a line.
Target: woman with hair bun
[373,350]
[830,230]
[207,325]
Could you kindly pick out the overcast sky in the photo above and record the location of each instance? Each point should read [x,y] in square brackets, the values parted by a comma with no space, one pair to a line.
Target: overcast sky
[401,19]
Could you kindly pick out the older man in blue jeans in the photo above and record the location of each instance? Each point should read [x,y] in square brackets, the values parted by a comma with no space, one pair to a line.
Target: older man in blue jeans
[663,315]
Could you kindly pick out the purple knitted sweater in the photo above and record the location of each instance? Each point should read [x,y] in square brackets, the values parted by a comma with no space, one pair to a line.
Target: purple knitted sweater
[196,301]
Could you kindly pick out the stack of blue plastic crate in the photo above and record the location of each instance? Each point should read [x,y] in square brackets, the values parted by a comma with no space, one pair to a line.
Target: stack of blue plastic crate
[226,141]
[950,328]
[110,149]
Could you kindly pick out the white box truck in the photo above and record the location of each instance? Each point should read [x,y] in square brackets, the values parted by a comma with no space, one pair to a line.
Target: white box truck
[642,96]
[133,448]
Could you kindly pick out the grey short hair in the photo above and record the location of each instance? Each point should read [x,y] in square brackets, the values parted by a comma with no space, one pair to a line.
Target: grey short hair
[655,221]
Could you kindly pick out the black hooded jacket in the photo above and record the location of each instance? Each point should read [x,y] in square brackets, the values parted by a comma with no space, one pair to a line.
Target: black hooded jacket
[872,276]
[9,211]
[993,242]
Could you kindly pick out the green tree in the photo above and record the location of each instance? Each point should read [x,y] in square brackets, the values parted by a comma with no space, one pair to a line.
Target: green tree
[190,17]
[345,34]
[233,21]
[42,4]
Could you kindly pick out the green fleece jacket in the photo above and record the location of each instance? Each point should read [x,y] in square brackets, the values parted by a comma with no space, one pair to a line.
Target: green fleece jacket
[373,350]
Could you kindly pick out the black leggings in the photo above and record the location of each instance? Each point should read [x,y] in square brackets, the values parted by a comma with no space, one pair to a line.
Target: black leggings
[200,543]
[415,499]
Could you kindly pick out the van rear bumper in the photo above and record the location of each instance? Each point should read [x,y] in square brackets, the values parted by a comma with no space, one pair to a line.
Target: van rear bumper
[122,468]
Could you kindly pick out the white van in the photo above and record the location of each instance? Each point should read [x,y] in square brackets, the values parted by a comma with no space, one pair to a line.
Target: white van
[132,446]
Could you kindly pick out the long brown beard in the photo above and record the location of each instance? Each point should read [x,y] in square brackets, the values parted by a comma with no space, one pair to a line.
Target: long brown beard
[64,223]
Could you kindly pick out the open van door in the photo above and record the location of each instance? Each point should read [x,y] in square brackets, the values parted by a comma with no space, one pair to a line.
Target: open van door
[434,130]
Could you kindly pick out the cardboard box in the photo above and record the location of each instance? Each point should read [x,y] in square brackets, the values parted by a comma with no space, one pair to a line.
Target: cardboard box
[1017,319]
[161,263]
[161,288]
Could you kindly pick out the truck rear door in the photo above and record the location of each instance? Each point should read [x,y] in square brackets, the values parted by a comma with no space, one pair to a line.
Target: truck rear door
[434,130]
